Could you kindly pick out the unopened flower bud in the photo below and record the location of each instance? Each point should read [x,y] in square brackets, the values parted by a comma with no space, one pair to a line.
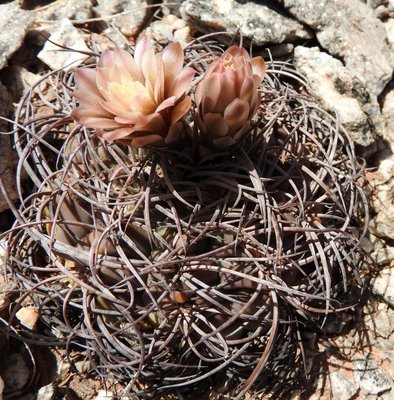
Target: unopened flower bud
[227,98]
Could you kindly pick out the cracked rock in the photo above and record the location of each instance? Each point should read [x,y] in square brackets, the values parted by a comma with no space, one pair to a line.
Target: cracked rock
[340,92]
[379,319]
[250,20]
[342,387]
[350,31]
[382,180]
[65,35]
[388,118]
[371,378]
[383,285]
[389,27]
[46,392]
[14,23]
[75,10]
[169,29]
[134,14]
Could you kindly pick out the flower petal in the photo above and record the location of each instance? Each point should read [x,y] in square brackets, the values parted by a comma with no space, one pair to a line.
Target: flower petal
[254,105]
[110,107]
[89,111]
[146,60]
[223,142]
[199,92]
[173,58]
[181,109]
[135,100]
[151,123]
[182,83]
[102,80]
[227,90]
[85,83]
[216,125]
[141,141]
[130,117]
[142,47]
[241,133]
[211,89]
[174,133]
[117,134]
[159,83]
[166,103]
[126,64]
[96,122]
[258,66]
[248,89]
[106,59]
[200,123]
[236,114]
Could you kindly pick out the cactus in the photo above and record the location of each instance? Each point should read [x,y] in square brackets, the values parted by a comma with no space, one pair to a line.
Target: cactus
[184,267]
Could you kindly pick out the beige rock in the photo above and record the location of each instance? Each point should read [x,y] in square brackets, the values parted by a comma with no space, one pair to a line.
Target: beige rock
[104,395]
[14,23]
[251,20]
[28,317]
[350,31]
[341,92]
[130,15]
[46,392]
[1,388]
[170,29]
[388,117]
[382,224]
[75,10]
[66,35]
[383,285]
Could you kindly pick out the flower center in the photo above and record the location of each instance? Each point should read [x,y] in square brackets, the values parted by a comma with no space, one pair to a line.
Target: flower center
[133,95]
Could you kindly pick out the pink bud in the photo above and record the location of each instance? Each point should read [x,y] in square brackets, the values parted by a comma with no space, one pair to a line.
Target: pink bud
[227,98]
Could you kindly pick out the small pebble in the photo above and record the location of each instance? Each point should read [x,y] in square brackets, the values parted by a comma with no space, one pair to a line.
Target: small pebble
[28,317]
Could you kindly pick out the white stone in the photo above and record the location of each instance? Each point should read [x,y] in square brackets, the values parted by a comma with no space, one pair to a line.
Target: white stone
[169,29]
[75,10]
[372,379]
[388,117]
[1,388]
[389,27]
[28,317]
[66,35]
[382,224]
[104,395]
[132,14]
[383,255]
[349,30]
[251,20]
[339,91]
[342,387]
[14,23]
[383,285]
[46,392]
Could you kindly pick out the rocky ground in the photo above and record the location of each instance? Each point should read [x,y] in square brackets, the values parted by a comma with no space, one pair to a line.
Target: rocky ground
[345,48]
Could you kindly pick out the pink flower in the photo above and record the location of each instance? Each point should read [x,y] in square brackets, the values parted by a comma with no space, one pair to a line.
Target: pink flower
[137,100]
[227,98]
